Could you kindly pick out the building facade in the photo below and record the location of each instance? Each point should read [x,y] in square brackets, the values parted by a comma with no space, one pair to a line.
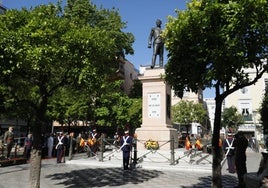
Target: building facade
[2,8]
[248,101]
[129,74]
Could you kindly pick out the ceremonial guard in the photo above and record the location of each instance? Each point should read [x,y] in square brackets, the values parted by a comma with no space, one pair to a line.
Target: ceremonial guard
[126,146]
[95,141]
[60,147]
[229,149]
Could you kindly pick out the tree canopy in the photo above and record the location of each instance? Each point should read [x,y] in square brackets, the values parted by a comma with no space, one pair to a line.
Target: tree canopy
[217,44]
[212,42]
[45,51]
[186,112]
[231,118]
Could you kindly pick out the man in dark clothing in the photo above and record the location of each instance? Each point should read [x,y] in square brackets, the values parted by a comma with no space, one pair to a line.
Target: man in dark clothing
[126,145]
[241,144]
[28,143]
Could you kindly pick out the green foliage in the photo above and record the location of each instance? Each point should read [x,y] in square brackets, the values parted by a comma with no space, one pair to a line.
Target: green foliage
[135,112]
[187,112]
[219,44]
[211,43]
[55,65]
[231,118]
[118,110]
[136,90]
[45,50]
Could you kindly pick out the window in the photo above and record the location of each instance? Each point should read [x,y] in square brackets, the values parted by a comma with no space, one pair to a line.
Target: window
[244,90]
[245,107]
[266,83]
[245,111]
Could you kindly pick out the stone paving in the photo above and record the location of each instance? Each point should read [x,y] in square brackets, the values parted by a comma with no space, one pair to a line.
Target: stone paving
[70,175]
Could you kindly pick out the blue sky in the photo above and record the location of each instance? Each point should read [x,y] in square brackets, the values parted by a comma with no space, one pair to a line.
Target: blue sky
[140,16]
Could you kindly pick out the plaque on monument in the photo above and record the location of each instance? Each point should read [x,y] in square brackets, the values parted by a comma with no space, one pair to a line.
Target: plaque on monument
[154,105]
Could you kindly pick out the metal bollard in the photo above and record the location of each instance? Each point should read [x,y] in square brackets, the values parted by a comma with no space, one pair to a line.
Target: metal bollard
[135,158]
[71,147]
[101,148]
[172,154]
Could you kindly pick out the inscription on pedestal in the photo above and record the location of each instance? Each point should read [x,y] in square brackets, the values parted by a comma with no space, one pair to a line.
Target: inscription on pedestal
[154,105]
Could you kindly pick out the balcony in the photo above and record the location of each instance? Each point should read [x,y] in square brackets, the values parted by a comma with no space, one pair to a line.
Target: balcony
[248,117]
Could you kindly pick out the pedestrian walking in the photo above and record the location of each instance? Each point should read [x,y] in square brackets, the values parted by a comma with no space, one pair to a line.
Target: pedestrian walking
[126,146]
[229,152]
[240,144]
[9,140]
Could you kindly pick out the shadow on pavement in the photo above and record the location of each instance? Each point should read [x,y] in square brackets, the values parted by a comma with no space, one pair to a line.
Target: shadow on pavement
[228,181]
[100,177]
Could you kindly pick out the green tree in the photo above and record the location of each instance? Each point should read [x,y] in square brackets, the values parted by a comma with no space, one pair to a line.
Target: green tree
[263,112]
[231,118]
[213,44]
[136,90]
[44,50]
[69,105]
[187,112]
[118,110]
[135,112]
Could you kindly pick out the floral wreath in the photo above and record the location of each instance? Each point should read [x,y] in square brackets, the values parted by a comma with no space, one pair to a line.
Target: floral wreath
[151,145]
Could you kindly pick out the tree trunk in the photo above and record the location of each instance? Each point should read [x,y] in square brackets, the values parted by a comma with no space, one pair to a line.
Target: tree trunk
[36,156]
[35,169]
[216,163]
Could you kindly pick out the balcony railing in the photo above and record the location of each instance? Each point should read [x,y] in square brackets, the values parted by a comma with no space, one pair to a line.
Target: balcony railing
[248,117]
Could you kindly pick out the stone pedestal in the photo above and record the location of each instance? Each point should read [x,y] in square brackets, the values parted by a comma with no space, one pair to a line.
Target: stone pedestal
[156,111]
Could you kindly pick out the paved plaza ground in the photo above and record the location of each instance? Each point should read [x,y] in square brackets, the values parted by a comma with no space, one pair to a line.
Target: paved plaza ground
[79,174]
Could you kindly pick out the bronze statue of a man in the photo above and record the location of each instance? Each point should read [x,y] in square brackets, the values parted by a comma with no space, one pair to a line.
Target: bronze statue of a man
[158,43]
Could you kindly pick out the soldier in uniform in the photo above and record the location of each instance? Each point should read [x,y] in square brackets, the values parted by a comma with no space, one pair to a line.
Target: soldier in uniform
[9,140]
[61,144]
[126,146]
[228,147]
